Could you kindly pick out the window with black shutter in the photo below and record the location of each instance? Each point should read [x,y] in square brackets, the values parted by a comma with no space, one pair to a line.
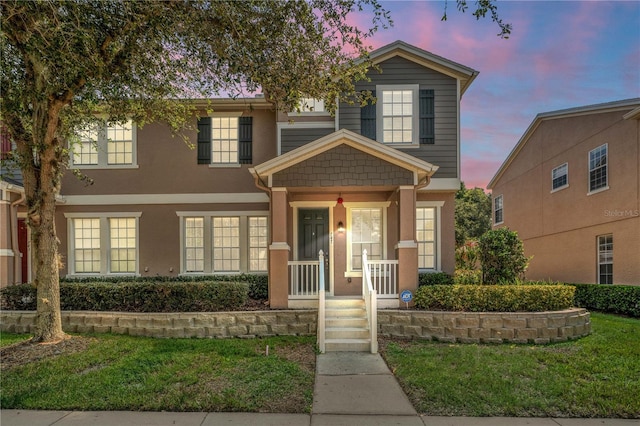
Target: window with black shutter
[245,137]
[368,119]
[225,140]
[204,140]
[427,117]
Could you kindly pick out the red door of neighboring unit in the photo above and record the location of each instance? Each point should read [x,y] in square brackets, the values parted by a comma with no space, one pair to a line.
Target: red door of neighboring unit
[22,246]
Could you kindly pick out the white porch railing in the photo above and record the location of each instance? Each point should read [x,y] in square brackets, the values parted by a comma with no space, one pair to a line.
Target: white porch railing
[321,296]
[384,277]
[304,279]
[370,301]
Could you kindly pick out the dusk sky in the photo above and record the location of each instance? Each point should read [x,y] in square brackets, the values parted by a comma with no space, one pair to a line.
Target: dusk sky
[561,54]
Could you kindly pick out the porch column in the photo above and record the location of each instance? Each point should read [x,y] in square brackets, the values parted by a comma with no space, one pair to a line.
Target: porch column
[407,248]
[279,250]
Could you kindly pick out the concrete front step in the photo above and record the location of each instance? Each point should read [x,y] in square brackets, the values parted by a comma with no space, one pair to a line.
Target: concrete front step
[342,322]
[348,345]
[347,333]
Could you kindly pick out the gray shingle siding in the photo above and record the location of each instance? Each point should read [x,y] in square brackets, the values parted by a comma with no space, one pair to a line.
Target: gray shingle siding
[397,70]
[295,137]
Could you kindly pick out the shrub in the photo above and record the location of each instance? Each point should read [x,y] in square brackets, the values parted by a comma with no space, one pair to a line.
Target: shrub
[614,299]
[202,296]
[502,257]
[491,298]
[468,255]
[434,278]
[467,277]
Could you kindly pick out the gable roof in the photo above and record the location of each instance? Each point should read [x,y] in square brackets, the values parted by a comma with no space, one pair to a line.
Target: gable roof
[420,168]
[564,113]
[427,59]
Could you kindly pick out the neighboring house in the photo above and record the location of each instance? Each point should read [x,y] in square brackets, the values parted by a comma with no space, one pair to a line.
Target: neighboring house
[13,231]
[571,189]
[265,191]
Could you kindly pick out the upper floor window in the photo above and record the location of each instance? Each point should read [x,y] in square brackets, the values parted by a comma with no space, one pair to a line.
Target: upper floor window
[560,177]
[598,177]
[106,145]
[403,116]
[397,114]
[498,212]
[311,105]
[225,140]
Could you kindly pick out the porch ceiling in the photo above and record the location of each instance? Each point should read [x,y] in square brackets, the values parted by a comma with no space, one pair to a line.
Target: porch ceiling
[395,167]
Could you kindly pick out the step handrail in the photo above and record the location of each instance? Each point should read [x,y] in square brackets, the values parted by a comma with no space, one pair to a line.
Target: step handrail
[321,307]
[370,301]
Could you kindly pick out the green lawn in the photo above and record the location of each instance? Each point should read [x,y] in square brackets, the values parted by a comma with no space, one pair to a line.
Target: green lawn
[134,373]
[596,376]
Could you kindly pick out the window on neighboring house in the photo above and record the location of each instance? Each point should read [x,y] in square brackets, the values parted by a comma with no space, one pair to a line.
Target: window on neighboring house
[605,259]
[560,177]
[498,214]
[598,168]
[105,146]
[403,116]
[214,243]
[103,243]
[225,140]
[426,237]
[366,234]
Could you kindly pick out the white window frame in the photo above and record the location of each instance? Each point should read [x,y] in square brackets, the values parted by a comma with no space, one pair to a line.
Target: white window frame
[237,115]
[350,272]
[606,165]
[494,209]
[102,149]
[250,247]
[105,243]
[208,240]
[415,119]
[561,187]
[601,253]
[437,205]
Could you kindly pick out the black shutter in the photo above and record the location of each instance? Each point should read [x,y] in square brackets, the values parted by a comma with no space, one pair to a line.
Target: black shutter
[368,119]
[204,140]
[245,136]
[427,117]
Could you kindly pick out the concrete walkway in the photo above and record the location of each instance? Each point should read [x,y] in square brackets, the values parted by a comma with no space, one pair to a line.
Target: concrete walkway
[351,389]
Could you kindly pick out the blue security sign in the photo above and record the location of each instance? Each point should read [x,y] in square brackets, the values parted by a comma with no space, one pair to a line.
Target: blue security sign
[406,296]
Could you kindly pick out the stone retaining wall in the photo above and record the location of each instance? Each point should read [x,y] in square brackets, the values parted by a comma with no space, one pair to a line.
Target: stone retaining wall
[213,325]
[486,327]
[463,327]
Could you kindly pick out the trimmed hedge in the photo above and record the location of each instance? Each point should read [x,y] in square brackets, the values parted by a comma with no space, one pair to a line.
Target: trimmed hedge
[258,283]
[202,296]
[434,278]
[494,298]
[614,299]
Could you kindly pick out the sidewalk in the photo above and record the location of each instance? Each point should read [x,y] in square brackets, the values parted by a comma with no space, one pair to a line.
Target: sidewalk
[351,389]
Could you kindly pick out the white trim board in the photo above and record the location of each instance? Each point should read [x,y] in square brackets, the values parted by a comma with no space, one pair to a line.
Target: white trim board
[137,199]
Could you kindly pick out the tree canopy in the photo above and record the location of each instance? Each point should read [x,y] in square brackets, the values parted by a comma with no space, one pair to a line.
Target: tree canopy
[473,214]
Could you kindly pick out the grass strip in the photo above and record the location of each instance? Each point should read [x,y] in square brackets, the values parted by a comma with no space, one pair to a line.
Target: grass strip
[134,373]
[595,376]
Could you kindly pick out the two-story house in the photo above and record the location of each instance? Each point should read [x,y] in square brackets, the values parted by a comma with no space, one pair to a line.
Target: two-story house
[571,189]
[264,191]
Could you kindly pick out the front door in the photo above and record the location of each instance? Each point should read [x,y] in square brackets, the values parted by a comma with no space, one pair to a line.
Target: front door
[313,236]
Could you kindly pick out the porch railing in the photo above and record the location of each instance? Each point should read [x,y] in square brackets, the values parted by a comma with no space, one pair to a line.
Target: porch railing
[370,302]
[384,277]
[304,279]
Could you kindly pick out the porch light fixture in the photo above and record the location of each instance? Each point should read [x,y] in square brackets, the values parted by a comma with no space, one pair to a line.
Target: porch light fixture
[340,227]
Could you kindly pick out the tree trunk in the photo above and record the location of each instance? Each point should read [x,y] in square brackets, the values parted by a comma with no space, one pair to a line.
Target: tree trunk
[42,185]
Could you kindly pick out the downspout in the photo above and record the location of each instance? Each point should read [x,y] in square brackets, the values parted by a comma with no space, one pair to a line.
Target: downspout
[17,260]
